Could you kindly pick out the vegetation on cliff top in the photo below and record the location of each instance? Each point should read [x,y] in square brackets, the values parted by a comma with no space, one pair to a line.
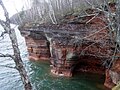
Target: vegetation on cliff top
[52,11]
[58,11]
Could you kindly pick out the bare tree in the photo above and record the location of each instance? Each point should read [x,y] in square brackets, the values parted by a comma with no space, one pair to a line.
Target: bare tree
[16,57]
[111,10]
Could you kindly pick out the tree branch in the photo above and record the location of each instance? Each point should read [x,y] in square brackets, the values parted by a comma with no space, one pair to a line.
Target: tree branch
[92,18]
[6,55]
[5,13]
[4,25]
[113,56]
[7,66]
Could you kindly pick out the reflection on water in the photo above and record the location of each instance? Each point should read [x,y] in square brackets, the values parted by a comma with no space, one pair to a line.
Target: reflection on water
[39,73]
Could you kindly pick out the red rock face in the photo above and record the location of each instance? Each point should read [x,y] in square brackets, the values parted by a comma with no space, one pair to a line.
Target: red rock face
[108,81]
[69,59]
[74,47]
[116,66]
[38,48]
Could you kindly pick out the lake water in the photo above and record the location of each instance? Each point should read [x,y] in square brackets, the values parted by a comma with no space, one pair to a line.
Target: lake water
[39,73]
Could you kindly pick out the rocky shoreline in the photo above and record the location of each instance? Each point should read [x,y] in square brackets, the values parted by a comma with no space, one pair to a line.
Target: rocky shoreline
[74,45]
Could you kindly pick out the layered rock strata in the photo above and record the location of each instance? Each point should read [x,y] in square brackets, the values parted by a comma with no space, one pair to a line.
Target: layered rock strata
[82,44]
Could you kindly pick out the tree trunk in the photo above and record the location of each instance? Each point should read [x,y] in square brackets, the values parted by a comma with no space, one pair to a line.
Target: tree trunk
[17,58]
[18,61]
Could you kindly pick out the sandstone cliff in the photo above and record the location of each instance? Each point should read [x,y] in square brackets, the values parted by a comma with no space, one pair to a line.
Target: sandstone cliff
[78,42]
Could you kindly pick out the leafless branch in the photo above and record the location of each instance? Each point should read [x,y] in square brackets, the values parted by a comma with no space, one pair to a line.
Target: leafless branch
[89,3]
[6,14]
[83,51]
[95,32]
[7,66]
[92,18]
[4,24]
[6,55]
[113,57]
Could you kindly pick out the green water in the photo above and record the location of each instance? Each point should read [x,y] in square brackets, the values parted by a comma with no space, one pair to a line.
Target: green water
[43,80]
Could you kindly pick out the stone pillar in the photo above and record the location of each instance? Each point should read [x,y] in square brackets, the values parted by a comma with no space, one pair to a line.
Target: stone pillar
[38,49]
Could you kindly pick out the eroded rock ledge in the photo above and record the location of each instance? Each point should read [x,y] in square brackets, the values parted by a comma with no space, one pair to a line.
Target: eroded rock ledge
[74,46]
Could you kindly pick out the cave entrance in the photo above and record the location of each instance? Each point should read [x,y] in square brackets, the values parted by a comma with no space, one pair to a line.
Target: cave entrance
[89,64]
[90,68]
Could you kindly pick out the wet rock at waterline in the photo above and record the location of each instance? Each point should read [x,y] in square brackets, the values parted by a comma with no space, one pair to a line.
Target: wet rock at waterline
[73,46]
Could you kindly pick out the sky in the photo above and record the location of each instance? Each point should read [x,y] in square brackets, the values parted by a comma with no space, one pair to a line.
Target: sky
[14,6]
